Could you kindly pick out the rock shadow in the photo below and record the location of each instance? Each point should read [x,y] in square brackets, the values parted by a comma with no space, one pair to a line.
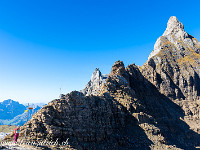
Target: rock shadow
[168,115]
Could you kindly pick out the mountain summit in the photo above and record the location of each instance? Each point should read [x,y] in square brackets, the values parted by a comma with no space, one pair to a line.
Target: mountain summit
[176,35]
[155,106]
[174,63]
[174,26]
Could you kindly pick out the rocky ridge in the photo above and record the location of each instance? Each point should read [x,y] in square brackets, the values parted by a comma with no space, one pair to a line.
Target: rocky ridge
[155,106]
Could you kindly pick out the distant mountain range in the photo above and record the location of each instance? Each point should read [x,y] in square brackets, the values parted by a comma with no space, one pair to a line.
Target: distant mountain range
[13,113]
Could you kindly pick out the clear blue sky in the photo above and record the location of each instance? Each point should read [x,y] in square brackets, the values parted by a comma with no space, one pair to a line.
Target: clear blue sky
[46,44]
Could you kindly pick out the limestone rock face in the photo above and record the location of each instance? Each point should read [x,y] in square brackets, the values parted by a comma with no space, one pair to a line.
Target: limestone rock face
[175,35]
[118,68]
[95,84]
[176,28]
[79,118]
[160,119]
[173,68]
[155,106]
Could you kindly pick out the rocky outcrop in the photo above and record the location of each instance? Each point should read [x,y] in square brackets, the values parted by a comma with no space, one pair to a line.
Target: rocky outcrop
[176,35]
[160,118]
[118,68]
[155,106]
[173,66]
[95,84]
[81,119]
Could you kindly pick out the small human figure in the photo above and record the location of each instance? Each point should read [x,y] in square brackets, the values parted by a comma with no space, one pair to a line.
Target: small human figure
[16,131]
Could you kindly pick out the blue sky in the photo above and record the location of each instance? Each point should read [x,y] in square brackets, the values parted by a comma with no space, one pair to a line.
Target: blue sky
[45,45]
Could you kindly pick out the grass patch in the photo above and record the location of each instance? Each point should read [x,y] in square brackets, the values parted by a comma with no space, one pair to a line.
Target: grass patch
[189,58]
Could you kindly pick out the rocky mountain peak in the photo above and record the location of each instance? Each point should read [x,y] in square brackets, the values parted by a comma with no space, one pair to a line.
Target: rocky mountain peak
[174,35]
[174,63]
[175,30]
[96,74]
[96,82]
[155,106]
[173,26]
[118,68]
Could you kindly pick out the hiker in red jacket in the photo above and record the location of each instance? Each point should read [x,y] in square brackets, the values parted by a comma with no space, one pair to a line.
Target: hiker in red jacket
[16,131]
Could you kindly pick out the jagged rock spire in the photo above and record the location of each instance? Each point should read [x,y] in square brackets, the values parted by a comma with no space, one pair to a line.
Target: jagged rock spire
[95,84]
[176,28]
[173,24]
[174,33]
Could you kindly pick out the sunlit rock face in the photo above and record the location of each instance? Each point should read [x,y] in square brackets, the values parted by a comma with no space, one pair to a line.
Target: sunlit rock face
[155,106]
[174,69]
[176,35]
[173,66]
[95,84]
